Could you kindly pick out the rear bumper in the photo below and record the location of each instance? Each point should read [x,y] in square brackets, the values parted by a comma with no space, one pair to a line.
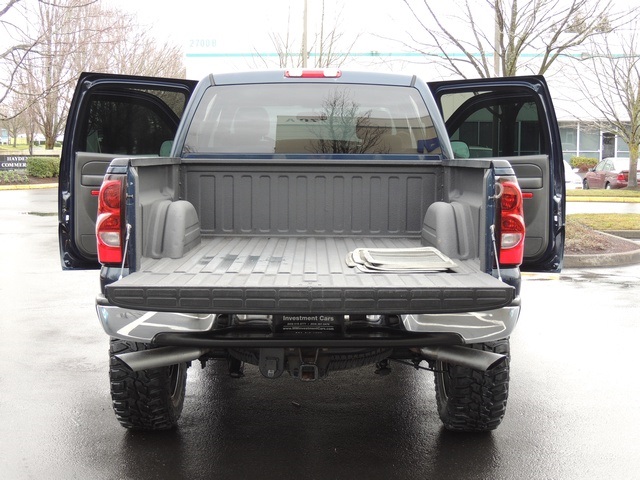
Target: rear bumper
[473,327]
[145,326]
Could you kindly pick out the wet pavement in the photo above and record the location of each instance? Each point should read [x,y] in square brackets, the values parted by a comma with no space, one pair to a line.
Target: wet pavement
[573,409]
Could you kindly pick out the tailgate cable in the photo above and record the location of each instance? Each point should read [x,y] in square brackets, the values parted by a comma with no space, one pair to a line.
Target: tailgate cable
[126,248]
[495,249]
[497,196]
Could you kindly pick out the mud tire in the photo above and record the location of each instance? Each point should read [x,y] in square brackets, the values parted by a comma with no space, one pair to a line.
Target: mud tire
[147,400]
[472,400]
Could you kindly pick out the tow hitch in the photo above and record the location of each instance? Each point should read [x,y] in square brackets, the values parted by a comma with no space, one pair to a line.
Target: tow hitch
[309,366]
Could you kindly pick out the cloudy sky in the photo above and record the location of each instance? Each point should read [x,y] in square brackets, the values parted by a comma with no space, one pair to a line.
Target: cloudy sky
[245,25]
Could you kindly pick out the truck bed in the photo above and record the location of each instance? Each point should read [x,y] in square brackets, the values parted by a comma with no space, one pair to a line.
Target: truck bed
[285,275]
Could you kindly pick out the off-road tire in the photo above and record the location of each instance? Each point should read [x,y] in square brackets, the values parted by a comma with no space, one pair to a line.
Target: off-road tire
[472,400]
[150,399]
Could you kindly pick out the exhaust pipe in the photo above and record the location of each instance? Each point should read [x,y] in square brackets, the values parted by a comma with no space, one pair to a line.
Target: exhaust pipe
[464,356]
[160,357]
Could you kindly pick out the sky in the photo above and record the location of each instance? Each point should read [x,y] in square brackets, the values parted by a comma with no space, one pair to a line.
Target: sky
[216,35]
[221,35]
[246,26]
[243,25]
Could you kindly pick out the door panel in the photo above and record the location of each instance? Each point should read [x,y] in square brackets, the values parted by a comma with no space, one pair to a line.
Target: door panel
[513,119]
[533,174]
[92,167]
[110,116]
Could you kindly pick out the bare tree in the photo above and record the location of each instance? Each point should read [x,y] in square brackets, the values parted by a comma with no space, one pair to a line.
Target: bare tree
[64,29]
[527,35]
[22,42]
[330,38]
[18,46]
[133,51]
[76,36]
[288,54]
[613,91]
[344,128]
[330,47]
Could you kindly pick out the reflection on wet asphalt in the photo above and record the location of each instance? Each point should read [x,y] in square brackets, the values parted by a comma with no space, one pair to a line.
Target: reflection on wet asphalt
[573,408]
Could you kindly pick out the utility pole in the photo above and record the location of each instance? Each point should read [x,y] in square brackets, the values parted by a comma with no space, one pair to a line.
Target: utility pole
[304,36]
[496,38]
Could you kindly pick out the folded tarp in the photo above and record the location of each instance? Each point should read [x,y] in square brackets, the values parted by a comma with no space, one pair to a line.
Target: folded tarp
[399,260]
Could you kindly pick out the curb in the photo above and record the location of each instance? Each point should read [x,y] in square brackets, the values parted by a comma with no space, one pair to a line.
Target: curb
[602,199]
[607,259]
[631,234]
[35,186]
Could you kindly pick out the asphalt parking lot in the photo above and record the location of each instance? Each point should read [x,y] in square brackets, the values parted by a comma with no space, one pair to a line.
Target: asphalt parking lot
[573,409]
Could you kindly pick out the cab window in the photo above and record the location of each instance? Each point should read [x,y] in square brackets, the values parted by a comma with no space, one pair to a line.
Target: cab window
[312,119]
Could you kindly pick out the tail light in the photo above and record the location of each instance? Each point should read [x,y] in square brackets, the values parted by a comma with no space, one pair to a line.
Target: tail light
[312,73]
[623,177]
[511,223]
[110,221]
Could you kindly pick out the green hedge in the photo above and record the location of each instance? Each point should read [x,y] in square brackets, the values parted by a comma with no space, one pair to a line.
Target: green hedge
[583,163]
[11,177]
[43,167]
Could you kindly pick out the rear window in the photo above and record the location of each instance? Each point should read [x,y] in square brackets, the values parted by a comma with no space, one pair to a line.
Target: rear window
[312,118]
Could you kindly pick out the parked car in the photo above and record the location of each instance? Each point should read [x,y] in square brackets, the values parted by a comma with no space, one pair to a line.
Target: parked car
[572,180]
[608,173]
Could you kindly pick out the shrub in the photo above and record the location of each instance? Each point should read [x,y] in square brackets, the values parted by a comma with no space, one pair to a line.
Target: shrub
[43,167]
[12,177]
[583,163]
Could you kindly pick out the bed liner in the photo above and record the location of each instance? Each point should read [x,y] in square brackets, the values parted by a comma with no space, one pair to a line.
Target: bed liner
[284,275]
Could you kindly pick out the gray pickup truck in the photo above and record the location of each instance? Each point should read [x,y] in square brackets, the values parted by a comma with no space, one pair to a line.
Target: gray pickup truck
[309,221]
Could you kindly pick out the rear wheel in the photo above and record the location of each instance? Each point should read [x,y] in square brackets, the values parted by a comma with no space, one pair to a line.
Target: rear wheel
[585,184]
[150,399]
[472,400]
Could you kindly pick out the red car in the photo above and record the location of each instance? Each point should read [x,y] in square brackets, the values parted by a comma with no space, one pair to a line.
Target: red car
[608,173]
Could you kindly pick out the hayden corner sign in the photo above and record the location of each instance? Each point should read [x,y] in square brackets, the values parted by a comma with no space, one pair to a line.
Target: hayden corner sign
[13,162]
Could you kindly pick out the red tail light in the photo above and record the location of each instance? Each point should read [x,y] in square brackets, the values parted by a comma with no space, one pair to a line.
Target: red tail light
[109,224]
[623,177]
[512,227]
[312,73]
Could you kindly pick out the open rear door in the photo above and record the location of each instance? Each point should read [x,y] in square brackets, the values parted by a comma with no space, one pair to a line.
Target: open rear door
[110,116]
[514,119]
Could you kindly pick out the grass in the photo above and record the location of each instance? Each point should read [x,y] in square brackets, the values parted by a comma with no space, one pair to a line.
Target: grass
[583,232]
[601,193]
[584,239]
[608,221]
[583,229]
[20,147]
[23,149]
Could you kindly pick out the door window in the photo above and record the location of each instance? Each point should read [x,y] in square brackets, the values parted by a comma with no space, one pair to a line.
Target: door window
[492,125]
[136,124]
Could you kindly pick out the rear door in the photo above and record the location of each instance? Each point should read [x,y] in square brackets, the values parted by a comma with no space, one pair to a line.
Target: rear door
[110,116]
[513,118]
